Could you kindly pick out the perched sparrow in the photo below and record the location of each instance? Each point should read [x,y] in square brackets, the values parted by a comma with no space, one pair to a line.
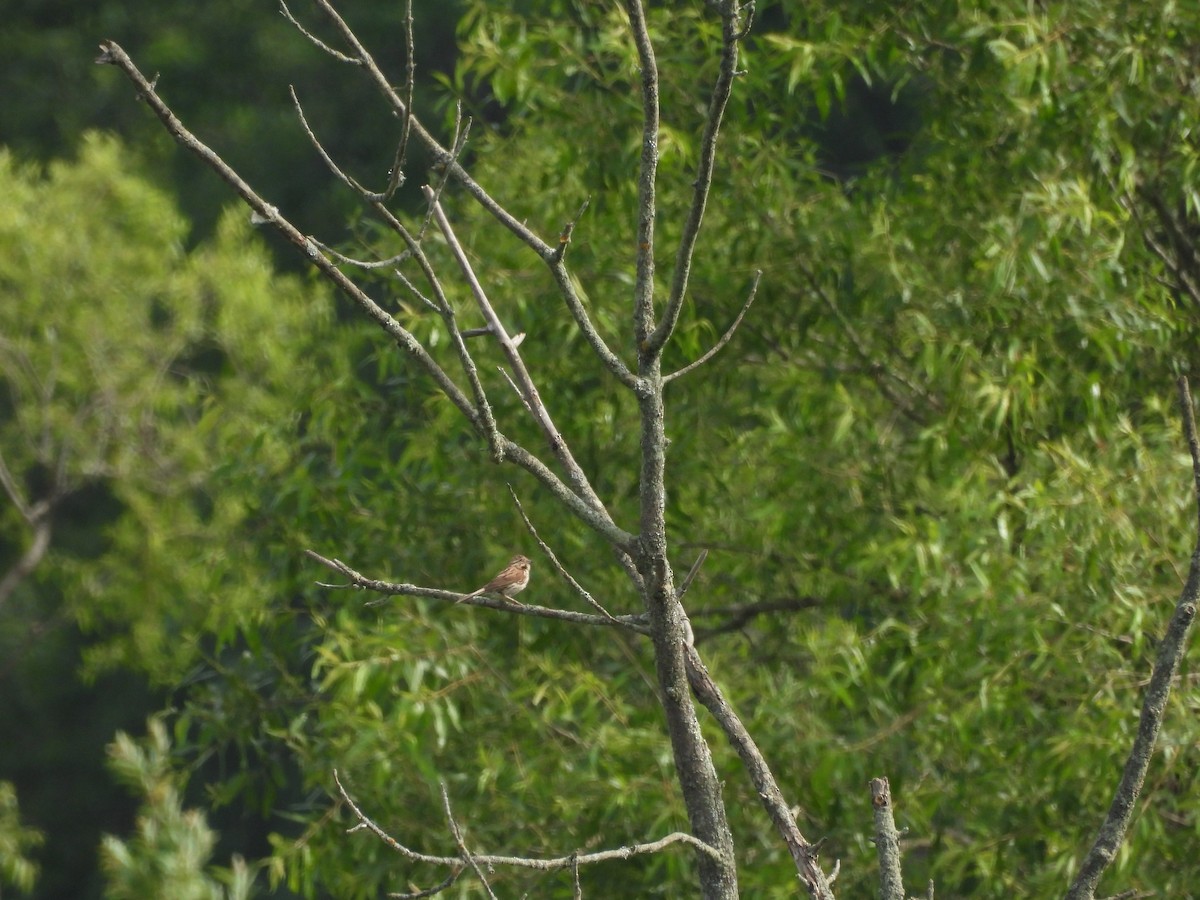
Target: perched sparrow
[511,581]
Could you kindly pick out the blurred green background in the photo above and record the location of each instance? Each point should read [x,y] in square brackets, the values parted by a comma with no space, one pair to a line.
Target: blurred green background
[939,469]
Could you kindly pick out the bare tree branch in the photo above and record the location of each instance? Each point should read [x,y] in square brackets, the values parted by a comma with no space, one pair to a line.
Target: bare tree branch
[533,400]
[725,338]
[441,155]
[691,574]
[887,841]
[449,159]
[804,854]
[112,54]
[333,167]
[316,41]
[546,865]
[396,174]
[732,33]
[433,891]
[1170,653]
[467,856]
[643,299]
[487,422]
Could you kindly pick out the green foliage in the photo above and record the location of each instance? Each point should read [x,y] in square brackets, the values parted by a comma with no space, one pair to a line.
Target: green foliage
[168,856]
[225,66]
[130,371]
[131,368]
[943,448]
[17,841]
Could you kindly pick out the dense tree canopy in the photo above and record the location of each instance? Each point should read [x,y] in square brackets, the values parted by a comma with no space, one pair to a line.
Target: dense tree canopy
[938,469]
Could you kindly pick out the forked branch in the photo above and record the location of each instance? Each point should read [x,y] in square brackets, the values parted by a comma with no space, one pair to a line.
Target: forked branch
[112,54]
[529,392]
[448,159]
[725,338]
[804,853]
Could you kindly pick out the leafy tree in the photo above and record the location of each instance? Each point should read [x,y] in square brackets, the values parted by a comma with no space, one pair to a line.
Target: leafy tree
[129,370]
[16,843]
[231,63]
[936,470]
[167,857]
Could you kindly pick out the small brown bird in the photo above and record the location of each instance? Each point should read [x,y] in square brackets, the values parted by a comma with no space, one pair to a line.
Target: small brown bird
[511,581]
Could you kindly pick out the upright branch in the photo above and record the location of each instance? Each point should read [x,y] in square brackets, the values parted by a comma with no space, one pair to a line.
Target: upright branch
[643,298]
[732,31]
[1166,666]
[668,624]
[887,841]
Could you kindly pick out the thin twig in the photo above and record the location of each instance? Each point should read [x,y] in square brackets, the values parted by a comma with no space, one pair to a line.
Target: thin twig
[461,131]
[564,237]
[725,338]
[1170,653]
[320,44]
[396,173]
[558,566]
[448,882]
[516,390]
[440,309]
[467,856]
[691,575]
[333,167]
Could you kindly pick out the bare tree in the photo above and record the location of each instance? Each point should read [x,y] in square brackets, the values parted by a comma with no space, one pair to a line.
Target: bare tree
[644,547]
